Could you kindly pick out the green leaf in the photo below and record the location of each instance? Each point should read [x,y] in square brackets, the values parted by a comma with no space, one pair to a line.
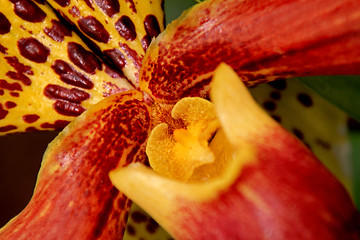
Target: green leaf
[343,91]
[174,8]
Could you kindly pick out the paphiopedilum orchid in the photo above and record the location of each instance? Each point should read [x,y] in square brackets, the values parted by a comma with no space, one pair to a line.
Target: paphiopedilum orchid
[262,41]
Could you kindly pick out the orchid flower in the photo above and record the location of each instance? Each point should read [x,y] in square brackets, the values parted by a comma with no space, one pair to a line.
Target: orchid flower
[134,95]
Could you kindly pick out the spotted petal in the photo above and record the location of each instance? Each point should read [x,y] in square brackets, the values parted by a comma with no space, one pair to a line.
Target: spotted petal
[48,76]
[121,29]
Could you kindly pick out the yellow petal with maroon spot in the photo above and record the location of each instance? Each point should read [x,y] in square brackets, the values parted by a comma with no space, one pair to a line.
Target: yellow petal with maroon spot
[121,29]
[269,182]
[48,75]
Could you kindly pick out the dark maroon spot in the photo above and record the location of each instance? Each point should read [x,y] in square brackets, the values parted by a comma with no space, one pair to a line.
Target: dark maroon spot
[145,42]
[305,99]
[72,95]
[31,129]
[19,76]
[14,94]
[152,226]
[138,217]
[94,29]
[68,108]
[279,84]
[10,86]
[70,76]
[30,118]
[82,58]
[3,49]
[63,3]
[116,58]
[19,67]
[5,25]
[275,95]
[276,118]
[74,11]
[7,128]
[28,10]
[109,7]
[33,50]
[58,31]
[58,125]
[130,230]
[89,3]
[269,105]
[126,28]
[3,112]
[2,92]
[323,144]
[10,104]
[151,25]
[298,133]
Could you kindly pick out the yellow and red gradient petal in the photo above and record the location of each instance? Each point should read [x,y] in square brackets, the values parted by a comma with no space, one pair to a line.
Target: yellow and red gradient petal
[48,75]
[121,29]
[262,41]
[74,197]
[271,187]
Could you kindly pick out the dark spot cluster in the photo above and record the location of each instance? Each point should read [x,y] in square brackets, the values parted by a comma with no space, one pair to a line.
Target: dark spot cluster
[68,108]
[140,218]
[127,30]
[152,29]
[20,71]
[69,75]
[275,95]
[10,86]
[68,101]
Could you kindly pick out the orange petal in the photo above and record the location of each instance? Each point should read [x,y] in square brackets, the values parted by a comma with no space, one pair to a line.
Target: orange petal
[262,41]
